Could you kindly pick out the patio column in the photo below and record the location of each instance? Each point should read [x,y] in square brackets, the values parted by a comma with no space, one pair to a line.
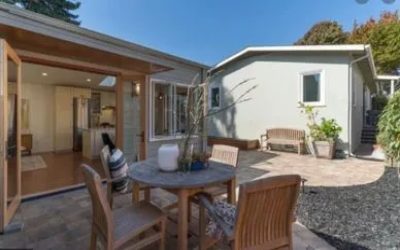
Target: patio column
[391,87]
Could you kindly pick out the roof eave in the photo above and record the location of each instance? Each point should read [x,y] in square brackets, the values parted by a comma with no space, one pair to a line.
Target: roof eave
[31,18]
[294,48]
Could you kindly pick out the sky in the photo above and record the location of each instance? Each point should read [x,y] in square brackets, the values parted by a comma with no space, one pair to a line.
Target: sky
[208,31]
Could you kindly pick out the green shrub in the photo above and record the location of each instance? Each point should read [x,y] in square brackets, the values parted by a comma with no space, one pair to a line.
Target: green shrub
[379,102]
[326,130]
[389,128]
[330,129]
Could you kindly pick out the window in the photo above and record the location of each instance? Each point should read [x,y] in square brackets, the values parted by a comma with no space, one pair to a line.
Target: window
[181,110]
[312,88]
[215,97]
[162,109]
[169,109]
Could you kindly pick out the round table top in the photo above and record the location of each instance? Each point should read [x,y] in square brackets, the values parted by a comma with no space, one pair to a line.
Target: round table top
[147,172]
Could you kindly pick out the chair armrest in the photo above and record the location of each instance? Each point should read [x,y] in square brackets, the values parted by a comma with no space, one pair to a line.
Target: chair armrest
[205,201]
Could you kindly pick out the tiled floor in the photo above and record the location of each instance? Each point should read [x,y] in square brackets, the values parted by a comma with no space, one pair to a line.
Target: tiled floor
[63,221]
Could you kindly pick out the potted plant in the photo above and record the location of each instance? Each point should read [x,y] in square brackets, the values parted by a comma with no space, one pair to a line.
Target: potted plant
[192,157]
[323,135]
[195,161]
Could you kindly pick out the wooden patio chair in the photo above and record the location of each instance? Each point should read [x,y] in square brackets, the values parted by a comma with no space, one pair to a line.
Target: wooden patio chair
[104,156]
[116,228]
[224,154]
[264,215]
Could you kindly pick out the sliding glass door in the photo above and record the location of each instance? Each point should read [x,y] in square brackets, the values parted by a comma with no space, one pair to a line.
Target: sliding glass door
[10,133]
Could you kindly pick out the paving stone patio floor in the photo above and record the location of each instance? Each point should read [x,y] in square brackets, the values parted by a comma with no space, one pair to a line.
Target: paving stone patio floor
[63,221]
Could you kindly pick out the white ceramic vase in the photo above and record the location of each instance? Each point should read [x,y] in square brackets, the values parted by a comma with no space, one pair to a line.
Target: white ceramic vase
[168,157]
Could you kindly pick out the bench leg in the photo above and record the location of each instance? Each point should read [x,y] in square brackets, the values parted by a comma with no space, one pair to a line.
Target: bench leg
[300,150]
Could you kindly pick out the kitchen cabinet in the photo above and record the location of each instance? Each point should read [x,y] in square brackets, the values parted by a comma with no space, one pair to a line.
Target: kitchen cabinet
[107,99]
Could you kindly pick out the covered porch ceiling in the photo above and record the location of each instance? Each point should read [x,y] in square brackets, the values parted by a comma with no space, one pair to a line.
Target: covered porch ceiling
[37,48]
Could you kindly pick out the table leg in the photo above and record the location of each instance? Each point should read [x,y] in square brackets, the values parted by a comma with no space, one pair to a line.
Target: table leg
[202,227]
[135,192]
[183,224]
[231,191]
[147,195]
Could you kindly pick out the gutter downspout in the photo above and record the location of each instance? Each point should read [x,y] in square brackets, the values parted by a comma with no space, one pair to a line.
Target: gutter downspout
[350,98]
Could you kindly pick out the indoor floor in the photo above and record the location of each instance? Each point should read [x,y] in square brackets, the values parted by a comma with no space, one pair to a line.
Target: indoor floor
[61,170]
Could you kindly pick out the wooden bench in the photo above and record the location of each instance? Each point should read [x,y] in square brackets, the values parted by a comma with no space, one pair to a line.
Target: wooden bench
[284,136]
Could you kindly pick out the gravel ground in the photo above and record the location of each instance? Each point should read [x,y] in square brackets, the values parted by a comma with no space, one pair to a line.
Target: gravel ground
[355,217]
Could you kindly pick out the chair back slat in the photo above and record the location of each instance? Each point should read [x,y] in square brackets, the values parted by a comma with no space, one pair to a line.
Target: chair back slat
[225,154]
[265,213]
[104,157]
[101,212]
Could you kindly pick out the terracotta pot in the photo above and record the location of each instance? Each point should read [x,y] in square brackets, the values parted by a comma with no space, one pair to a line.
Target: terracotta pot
[324,149]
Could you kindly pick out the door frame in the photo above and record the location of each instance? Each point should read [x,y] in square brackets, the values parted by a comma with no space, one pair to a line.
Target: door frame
[8,211]
[143,82]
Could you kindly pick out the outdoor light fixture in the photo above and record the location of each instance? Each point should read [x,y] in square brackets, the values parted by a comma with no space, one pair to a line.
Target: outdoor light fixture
[44,74]
[160,96]
[135,89]
[88,80]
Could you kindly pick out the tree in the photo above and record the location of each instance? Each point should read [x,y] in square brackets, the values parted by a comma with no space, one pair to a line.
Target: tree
[384,37]
[60,9]
[325,32]
[361,33]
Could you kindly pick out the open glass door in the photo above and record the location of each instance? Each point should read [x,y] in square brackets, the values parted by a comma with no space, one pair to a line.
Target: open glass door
[10,133]
[131,116]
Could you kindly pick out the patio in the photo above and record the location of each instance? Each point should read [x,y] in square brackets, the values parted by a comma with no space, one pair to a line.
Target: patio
[63,221]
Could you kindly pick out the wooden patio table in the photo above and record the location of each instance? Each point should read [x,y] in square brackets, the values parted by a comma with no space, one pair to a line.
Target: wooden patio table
[184,185]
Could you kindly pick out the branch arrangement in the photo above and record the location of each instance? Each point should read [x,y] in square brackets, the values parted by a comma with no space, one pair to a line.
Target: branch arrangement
[197,113]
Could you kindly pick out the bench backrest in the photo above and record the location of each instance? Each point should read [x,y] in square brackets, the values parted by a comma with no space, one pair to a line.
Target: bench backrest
[286,133]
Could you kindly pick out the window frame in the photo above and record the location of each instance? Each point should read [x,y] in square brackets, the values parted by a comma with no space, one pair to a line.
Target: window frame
[210,97]
[173,103]
[321,73]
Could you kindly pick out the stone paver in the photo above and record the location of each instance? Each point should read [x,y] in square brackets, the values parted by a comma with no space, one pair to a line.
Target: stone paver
[318,172]
[63,221]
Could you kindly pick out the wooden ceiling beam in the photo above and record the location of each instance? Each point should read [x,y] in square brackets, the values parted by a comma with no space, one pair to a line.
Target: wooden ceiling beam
[79,54]
[61,62]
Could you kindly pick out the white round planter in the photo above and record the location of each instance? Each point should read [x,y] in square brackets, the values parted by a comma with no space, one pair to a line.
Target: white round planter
[168,157]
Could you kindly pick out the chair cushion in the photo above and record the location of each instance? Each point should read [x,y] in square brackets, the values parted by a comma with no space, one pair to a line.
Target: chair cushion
[227,212]
[119,171]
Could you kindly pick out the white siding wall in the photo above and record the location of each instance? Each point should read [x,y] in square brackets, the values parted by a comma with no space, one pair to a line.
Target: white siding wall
[274,103]
[131,124]
[357,121]
[41,115]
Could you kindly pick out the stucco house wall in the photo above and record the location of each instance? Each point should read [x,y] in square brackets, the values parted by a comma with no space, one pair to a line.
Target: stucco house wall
[357,106]
[274,102]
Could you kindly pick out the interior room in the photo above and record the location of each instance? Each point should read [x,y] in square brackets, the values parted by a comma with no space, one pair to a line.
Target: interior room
[63,114]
